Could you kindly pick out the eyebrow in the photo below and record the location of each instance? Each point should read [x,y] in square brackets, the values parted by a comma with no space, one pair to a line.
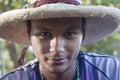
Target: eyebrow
[73,28]
[46,29]
[43,29]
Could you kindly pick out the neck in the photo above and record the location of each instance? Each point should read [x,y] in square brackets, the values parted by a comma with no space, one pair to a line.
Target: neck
[66,75]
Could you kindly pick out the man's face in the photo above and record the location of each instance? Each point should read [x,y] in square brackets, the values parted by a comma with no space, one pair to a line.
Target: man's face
[56,42]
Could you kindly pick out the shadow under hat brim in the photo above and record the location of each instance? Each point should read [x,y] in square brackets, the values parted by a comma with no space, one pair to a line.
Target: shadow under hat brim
[100,20]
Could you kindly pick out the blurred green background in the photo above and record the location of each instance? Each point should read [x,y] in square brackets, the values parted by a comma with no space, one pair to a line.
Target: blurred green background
[10,52]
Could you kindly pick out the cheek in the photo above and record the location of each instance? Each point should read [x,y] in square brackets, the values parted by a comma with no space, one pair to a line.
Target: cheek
[74,46]
[39,47]
[36,48]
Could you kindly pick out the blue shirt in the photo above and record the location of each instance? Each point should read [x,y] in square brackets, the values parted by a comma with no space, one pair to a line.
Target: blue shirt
[92,66]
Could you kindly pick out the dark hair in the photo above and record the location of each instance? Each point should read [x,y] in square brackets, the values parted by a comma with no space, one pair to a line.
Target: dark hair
[83,28]
[29,25]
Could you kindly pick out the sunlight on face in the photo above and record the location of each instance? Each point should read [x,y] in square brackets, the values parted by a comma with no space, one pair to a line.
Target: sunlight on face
[56,42]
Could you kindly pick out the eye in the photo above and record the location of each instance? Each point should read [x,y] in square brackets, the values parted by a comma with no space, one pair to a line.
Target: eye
[70,34]
[44,35]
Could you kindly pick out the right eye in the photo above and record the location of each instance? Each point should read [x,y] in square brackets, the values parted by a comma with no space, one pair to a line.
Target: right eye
[44,35]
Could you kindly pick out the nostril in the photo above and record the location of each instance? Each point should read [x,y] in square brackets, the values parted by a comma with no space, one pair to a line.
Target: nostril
[57,49]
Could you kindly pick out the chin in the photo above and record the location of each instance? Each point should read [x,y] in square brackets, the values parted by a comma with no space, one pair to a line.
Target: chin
[58,69]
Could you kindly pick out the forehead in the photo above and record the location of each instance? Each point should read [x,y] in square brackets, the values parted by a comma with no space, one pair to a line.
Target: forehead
[57,23]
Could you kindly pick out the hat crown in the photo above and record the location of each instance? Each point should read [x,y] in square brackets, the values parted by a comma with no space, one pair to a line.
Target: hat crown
[37,3]
[33,1]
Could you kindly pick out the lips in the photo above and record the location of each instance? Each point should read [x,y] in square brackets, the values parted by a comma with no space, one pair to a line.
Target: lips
[57,60]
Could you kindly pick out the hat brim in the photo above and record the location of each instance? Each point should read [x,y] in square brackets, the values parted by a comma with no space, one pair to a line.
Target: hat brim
[100,20]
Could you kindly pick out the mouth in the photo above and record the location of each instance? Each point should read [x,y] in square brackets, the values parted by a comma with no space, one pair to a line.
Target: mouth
[56,60]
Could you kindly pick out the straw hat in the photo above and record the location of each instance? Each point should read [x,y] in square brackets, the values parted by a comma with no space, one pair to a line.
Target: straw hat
[100,20]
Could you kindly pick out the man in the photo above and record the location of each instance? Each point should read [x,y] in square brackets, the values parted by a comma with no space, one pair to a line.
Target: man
[56,29]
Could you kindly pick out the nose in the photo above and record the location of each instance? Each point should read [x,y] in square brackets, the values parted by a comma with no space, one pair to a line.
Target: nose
[57,45]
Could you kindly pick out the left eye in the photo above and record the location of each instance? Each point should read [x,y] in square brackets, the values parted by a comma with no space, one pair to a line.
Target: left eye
[69,34]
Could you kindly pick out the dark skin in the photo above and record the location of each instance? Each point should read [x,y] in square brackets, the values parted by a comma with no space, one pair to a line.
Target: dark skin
[56,43]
